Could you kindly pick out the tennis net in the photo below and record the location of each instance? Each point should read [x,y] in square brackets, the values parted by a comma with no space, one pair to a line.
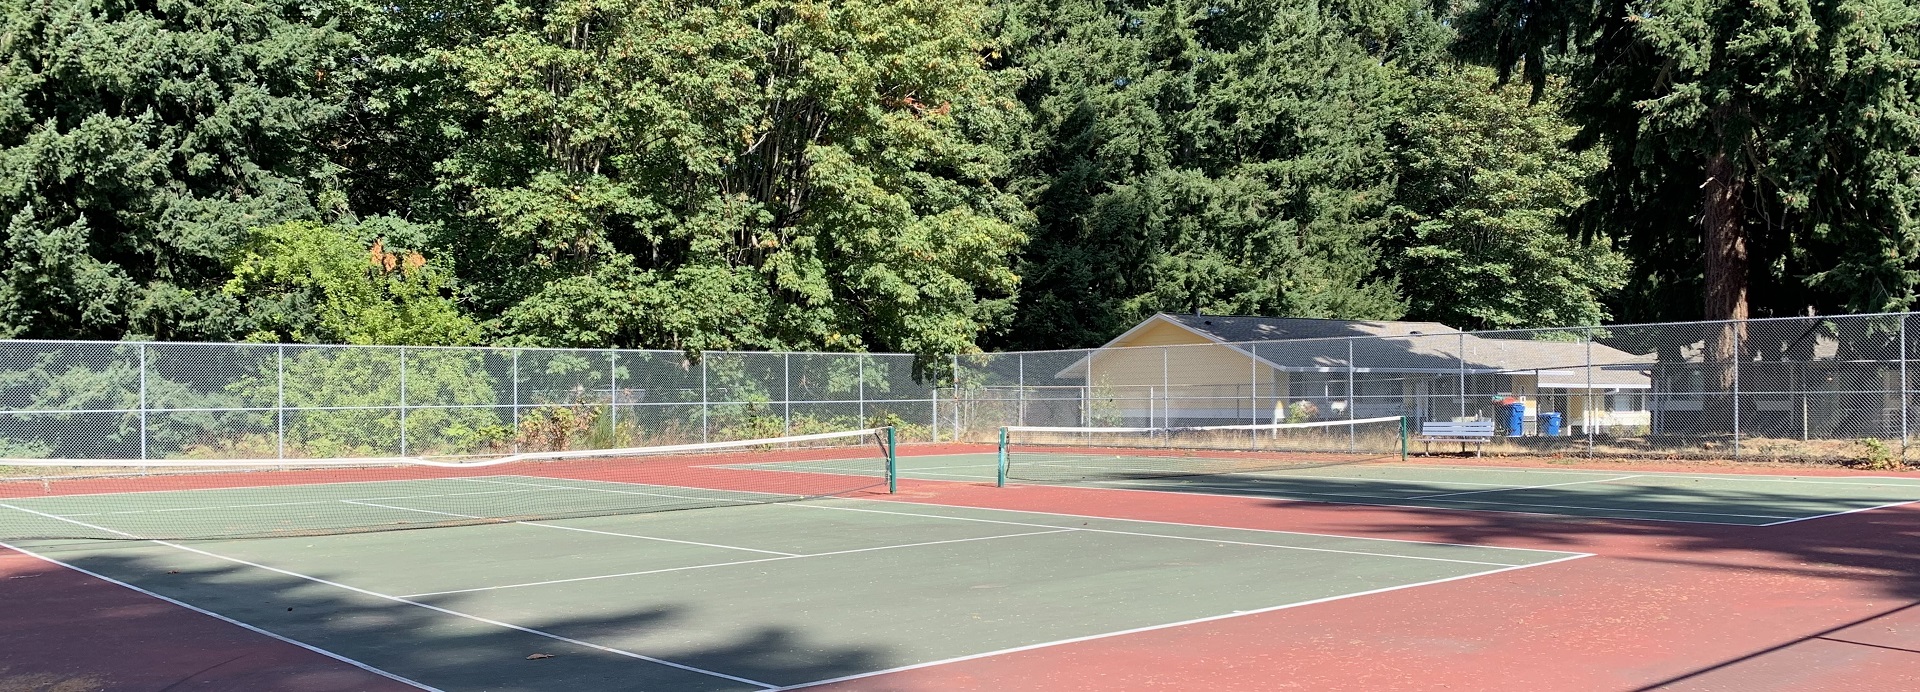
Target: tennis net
[188,499]
[1090,455]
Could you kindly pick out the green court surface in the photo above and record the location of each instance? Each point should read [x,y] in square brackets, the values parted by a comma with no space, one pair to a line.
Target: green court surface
[729,598]
[1743,499]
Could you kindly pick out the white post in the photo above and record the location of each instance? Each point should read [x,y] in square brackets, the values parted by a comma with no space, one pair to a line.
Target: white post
[1736,390]
[280,399]
[516,401]
[1460,397]
[1353,443]
[1586,410]
[1166,391]
[613,395]
[704,433]
[143,400]
[1903,386]
[1020,390]
[786,393]
[403,401]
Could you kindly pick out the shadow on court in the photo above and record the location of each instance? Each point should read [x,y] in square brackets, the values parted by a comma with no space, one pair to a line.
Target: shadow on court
[432,647]
[1660,498]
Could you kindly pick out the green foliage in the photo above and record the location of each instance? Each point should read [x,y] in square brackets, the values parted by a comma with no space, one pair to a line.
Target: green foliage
[1486,184]
[754,174]
[1804,112]
[1231,158]
[304,282]
[443,389]
[139,142]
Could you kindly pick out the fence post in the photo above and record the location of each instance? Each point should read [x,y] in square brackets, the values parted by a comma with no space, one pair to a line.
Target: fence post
[403,401]
[1020,390]
[613,395]
[280,399]
[516,401]
[935,418]
[860,384]
[1460,397]
[704,432]
[1736,389]
[786,394]
[1903,386]
[1353,442]
[1586,410]
[1166,393]
[143,400]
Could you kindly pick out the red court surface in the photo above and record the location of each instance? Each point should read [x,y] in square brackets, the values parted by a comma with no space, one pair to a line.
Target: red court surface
[1828,603]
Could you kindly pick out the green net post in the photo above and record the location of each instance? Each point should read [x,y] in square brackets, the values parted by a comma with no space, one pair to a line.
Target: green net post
[1403,438]
[1000,470]
[893,463]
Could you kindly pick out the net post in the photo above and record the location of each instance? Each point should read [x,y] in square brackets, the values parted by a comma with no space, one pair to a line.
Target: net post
[1000,464]
[1403,438]
[893,464]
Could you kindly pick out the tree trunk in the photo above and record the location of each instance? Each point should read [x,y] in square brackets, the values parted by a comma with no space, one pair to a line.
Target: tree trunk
[1725,246]
[1725,240]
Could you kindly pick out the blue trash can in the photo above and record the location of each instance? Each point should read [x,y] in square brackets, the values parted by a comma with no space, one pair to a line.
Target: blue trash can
[1516,419]
[1550,424]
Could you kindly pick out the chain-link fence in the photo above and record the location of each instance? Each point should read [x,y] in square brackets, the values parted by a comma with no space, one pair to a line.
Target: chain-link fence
[1835,388]
[134,400]
[1798,388]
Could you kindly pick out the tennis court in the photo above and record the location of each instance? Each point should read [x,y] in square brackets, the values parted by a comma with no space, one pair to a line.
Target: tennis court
[1740,499]
[754,596]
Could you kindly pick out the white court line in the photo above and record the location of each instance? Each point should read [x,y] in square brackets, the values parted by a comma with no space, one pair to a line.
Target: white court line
[1150,628]
[256,630]
[289,504]
[677,497]
[1246,495]
[1162,535]
[1137,521]
[572,528]
[905,474]
[1520,487]
[737,562]
[397,599]
[1486,502]
[1850,511]
[1755,477]
[221,488]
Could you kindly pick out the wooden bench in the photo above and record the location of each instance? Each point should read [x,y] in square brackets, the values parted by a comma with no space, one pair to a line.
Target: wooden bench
[1475,433]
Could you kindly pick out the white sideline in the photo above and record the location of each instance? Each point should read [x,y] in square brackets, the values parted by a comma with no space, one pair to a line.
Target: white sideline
[1520,487]
[737,562]
[398,599]
[571,528]
[1150,628]
[1162,535]
[256,630]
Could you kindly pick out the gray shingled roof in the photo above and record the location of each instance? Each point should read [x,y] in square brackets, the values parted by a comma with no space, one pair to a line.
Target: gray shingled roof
[1312,344]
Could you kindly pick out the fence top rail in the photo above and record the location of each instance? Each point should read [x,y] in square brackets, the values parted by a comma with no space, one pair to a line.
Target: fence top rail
[249,344]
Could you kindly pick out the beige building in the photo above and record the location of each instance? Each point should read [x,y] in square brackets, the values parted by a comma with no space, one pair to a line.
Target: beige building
[1214,369]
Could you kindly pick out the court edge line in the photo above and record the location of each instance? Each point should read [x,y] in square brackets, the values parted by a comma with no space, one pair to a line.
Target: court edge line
[1090,516]
[1283,498]
[1177,538]
[1758,477]
[737,562]
[276,504]
[397,599]
[498,520]
[1295,497]
[1514,504]
[183,604]
[1850,511]
[1149,628]
[230,487]
[1522,487]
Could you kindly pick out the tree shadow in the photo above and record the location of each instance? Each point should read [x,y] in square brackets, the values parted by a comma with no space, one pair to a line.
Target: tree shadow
[431,646]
